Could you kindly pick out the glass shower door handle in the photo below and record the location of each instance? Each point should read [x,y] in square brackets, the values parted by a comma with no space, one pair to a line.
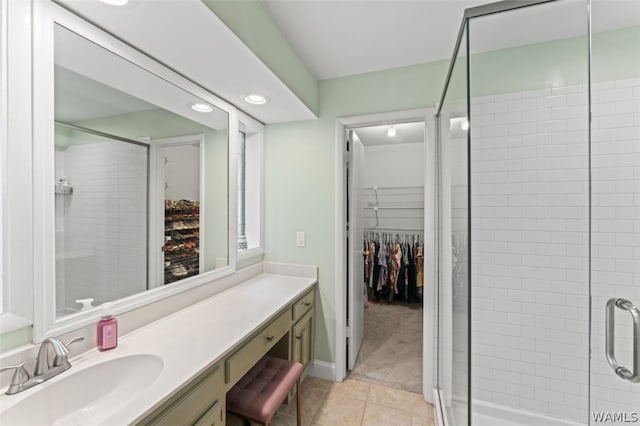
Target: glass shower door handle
[625,305]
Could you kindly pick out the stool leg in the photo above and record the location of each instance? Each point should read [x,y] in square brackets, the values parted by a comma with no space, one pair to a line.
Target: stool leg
[298,413]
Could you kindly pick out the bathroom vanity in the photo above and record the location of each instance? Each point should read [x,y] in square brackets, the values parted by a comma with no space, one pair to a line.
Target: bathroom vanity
[177,370]
[201,401]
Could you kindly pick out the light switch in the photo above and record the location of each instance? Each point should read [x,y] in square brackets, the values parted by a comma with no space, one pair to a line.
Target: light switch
[300,239]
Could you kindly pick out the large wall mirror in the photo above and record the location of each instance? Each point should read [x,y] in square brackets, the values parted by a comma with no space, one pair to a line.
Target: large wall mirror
[137,170]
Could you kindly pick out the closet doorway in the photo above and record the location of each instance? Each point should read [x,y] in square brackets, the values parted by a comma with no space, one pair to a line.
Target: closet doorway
[178,219]
[384,187]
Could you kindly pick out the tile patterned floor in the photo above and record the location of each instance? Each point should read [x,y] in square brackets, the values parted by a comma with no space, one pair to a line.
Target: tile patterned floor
[352,402]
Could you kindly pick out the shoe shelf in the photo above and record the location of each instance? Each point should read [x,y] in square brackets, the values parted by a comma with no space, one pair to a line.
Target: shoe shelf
[181,240]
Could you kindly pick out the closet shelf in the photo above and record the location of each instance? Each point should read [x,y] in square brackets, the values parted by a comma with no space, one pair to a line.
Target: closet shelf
[174,217]
[182,239]
[189,258]
[386,188]
[394,230]
[394,208]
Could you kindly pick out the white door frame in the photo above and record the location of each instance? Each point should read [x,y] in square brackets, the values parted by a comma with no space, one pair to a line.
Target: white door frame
[156,200]
[428,348]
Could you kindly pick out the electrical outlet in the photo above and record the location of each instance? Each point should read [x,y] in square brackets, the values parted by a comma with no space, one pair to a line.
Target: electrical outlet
[300,239]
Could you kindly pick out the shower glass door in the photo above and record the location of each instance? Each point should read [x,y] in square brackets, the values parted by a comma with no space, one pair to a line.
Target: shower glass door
[539,216]
[529,162]
[615,213]
[453,236]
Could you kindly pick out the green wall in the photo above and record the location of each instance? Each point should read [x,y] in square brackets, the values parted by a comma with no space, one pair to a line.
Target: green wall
[300,173]
[15,338]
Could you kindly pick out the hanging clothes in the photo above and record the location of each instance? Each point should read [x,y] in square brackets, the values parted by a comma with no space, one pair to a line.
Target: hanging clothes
[393,267]
[419,266]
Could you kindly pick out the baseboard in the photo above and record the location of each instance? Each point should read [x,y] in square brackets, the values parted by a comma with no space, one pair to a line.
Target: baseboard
[323,370]
[439,419]
[488,414]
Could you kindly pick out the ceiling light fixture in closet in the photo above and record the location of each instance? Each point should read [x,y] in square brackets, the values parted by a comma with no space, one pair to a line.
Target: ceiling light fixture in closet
[201,107]
[392,132]
[255,99]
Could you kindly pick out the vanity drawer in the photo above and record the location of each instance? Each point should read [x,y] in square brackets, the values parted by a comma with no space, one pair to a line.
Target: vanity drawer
[196,402]
[213,417]
[251,352]
[303,305]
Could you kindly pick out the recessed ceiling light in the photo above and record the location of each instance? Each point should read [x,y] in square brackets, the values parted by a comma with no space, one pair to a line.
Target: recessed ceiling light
[115,2]
[392,132]
[255,99]
[201,107]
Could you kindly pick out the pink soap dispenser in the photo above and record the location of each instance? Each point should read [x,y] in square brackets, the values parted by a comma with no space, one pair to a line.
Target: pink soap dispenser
[107,329]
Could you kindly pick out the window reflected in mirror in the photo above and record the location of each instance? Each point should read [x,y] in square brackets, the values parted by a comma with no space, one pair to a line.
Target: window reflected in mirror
[249,169]
[141,178]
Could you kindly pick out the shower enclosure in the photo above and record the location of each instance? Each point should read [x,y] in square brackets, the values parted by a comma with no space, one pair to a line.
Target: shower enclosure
[538,145]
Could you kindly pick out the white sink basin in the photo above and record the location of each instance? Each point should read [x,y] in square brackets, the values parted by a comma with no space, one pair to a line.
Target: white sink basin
[85,396]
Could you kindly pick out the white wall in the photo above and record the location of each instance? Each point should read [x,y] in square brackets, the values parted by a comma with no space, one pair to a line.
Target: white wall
[530,251]
[394,164]
[615,213]
[530,245]
[388,167]
[104,255]
[182,172]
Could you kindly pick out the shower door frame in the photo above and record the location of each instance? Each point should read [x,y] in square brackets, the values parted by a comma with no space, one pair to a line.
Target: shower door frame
[470,13]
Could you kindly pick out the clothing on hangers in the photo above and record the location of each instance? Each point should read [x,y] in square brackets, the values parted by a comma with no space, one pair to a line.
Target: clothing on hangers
[393,266]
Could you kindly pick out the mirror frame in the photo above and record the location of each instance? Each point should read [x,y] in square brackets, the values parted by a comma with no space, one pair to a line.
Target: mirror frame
[46,15]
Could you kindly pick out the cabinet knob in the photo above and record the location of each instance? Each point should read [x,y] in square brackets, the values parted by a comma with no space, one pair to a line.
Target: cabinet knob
[270,338]
[307,303]
[299,337]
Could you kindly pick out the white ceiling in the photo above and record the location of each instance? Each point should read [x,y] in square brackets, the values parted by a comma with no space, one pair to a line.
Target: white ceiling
[333,37]
[188,37]
[122,83]
[79,98]
[405,133]
[339,38]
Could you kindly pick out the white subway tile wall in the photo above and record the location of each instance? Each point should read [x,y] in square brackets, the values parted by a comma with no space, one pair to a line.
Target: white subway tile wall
[615,266]
[104,255]
[530,245]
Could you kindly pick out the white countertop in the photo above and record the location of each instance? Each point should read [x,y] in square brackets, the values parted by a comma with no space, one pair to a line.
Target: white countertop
[188,341]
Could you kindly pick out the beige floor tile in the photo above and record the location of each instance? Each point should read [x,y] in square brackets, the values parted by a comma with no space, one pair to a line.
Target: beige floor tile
[350,389]
[312,399]
[422,421]
[398,399]
[421,408]
[378,415]
[283,420]
[340,411]
[314,382]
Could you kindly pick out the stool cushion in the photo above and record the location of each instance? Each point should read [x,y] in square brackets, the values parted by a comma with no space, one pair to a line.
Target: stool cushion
[260,392]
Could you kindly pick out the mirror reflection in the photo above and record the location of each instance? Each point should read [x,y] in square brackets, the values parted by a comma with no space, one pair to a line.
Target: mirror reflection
[141,178]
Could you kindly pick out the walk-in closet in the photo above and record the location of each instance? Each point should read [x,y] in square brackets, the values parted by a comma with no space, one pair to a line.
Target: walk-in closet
[386,171]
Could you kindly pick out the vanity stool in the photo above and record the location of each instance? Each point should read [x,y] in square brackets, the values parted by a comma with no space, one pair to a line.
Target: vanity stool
[259,394]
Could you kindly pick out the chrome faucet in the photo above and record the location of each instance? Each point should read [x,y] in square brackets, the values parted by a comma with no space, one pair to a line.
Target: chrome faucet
[43,371]
[60,352]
